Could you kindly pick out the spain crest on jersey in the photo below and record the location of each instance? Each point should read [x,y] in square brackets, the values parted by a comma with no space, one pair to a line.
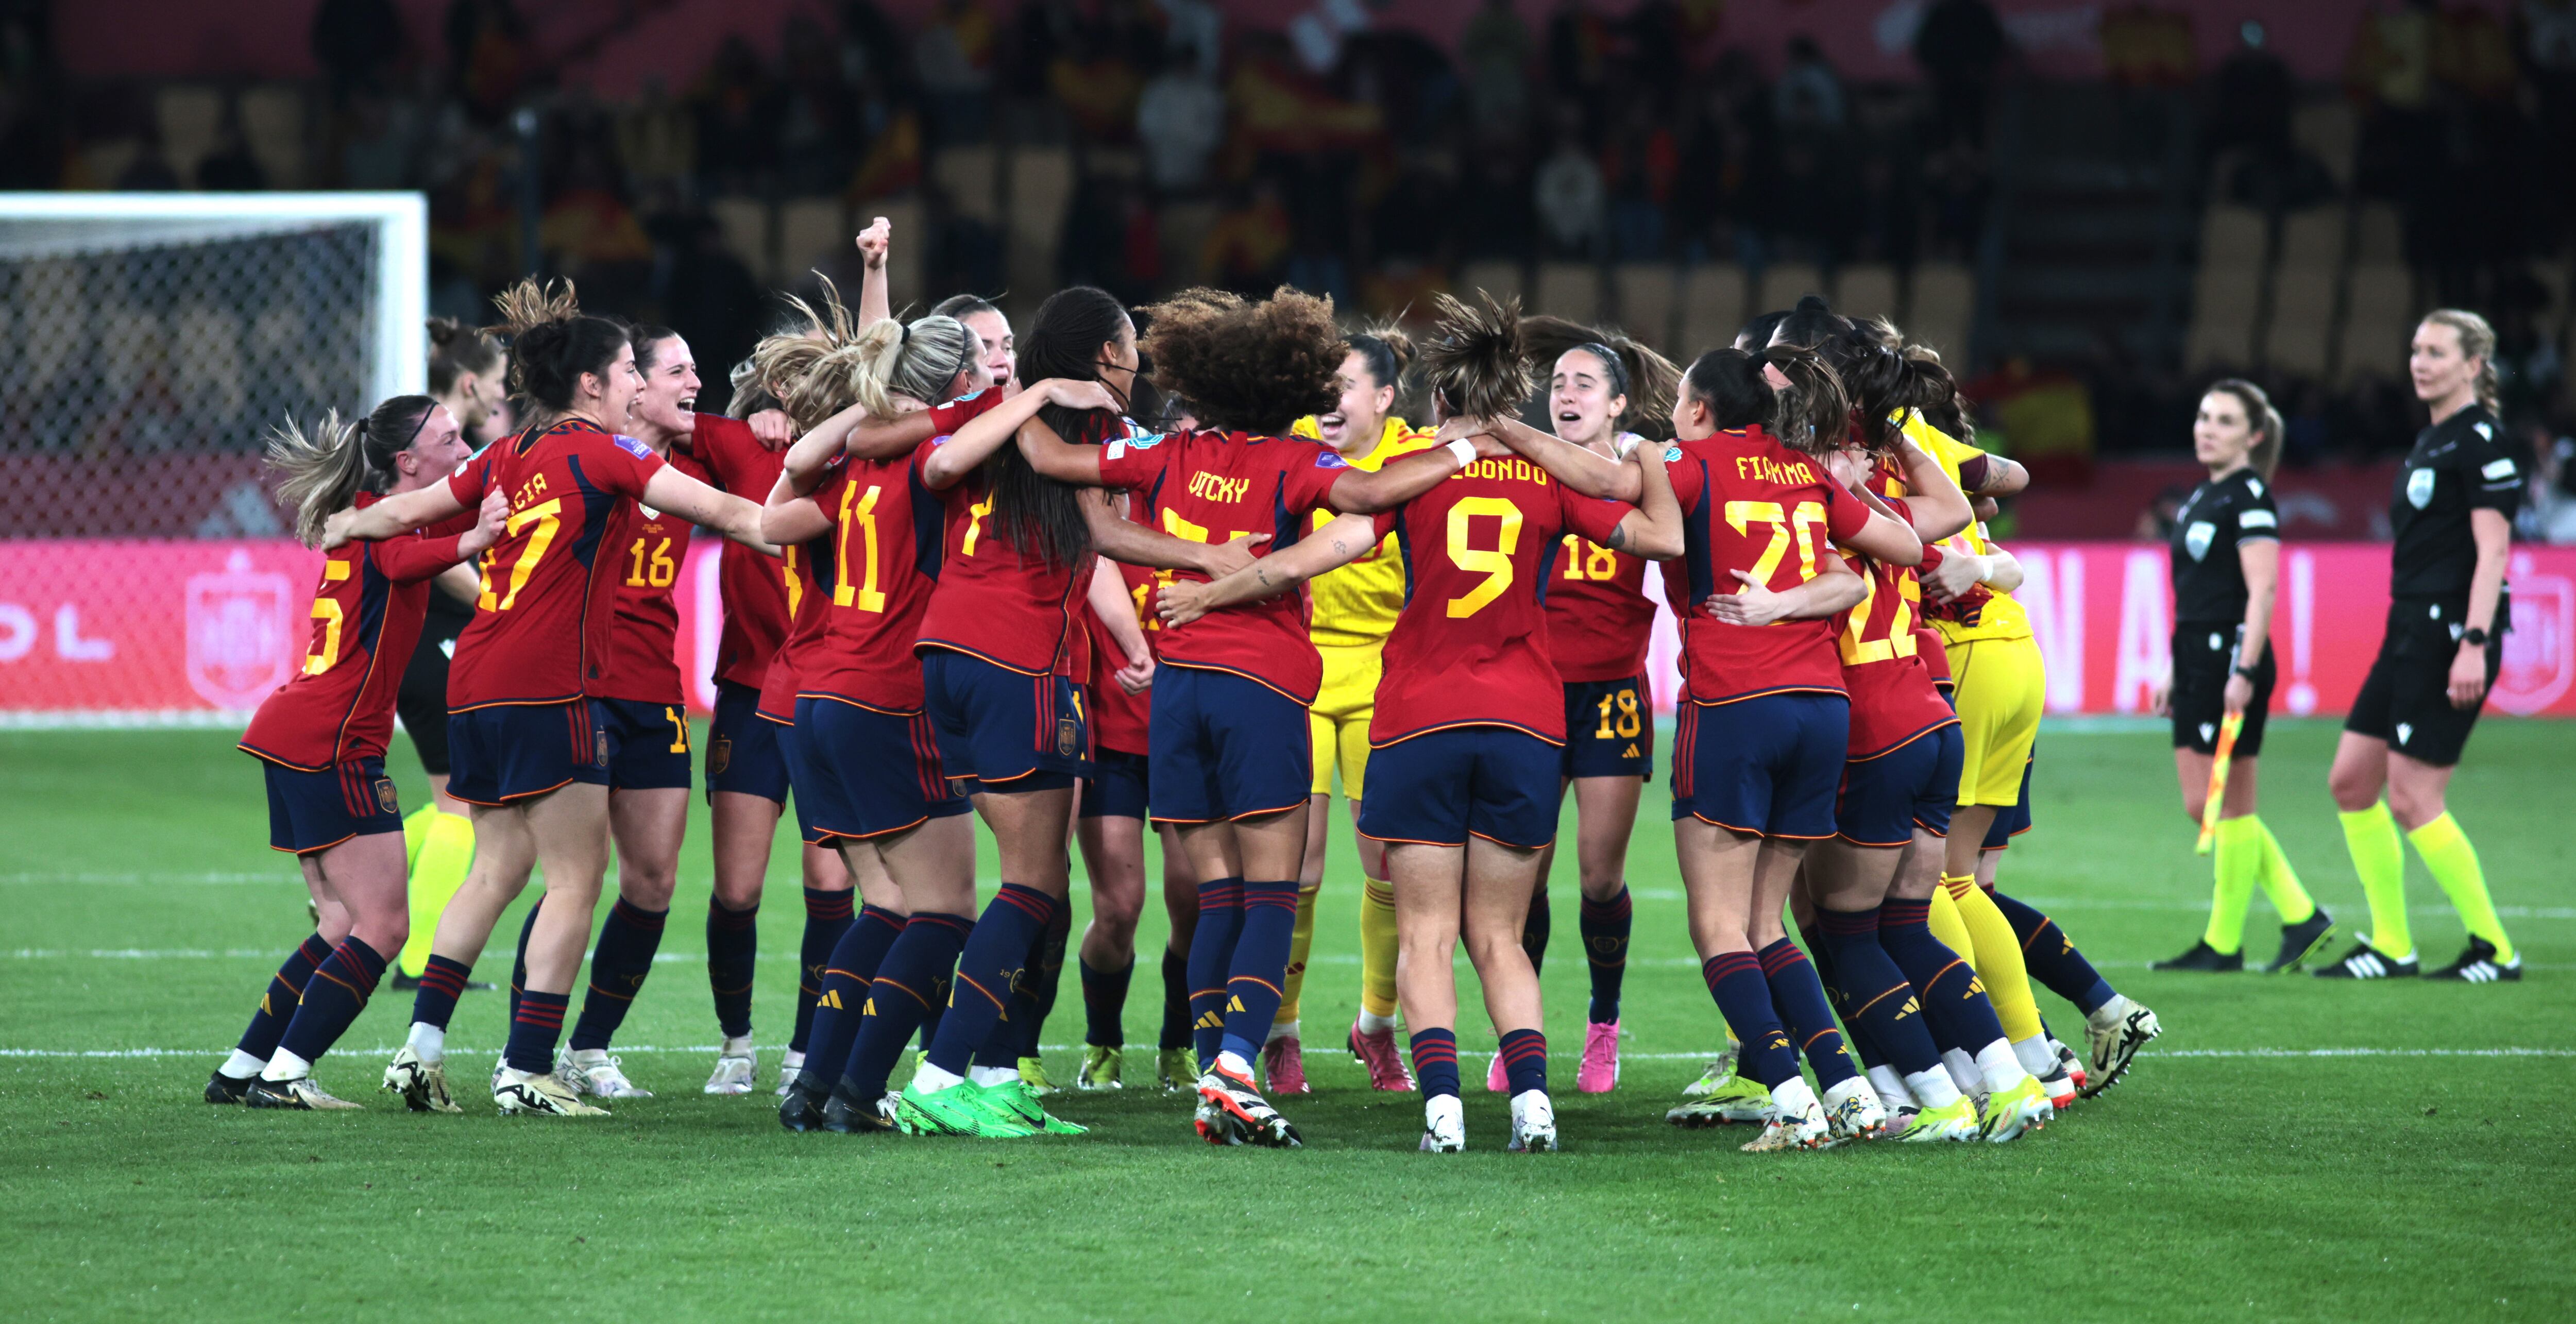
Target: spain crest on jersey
[241,644]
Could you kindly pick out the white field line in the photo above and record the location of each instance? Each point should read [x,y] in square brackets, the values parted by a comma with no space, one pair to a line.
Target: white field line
[2187,1054]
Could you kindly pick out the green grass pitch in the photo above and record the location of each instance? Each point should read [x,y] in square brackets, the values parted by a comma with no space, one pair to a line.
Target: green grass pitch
[2424,1171]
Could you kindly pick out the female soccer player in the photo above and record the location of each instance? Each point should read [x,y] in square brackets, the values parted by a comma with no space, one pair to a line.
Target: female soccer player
[2226,572]
[321,736]
[524,727]
[2452,514]
[1234,686]
[1352,607]
[992,331]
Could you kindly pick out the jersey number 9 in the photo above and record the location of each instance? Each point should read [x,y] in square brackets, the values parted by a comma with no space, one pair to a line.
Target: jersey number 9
[1495,565]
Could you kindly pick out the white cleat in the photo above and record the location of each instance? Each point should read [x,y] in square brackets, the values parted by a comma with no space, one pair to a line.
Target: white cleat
[299,1094]
[1533,1124]
[537,1093]
[734,1074]
[789,1065]
[593,1072]
[1444,1125]
[2119,1029]
[1853,1112]
[1797,1120]
[422,1085]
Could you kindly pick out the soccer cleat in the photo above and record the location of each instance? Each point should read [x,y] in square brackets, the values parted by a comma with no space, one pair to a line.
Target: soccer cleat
[599,1077]
[1214,1125]
[299,1094]
[221,1088]
[1496,1080]
[1177,1069]
[2060,1088]
[2302,940]
[2066,1058]
[2011,1112]
[1533,1124]
[2116,1041]
[1033,1074]
[403,983]
[1016,1099]
[1598,1073]
[1853,1112]
[1958,1121]
[1738,1099]
[958,1110]
[734,1075]
[788,1066]
[422,1085]
[845,1115]
[2477,965]
[1379,1055]
[2367,962]
[538,1094]
[1245,1111]
[1715,1079]
[1444,1125]
[1283,1066]
[2202,956]
[1101,1064]
[802,1109]
[1797,1121]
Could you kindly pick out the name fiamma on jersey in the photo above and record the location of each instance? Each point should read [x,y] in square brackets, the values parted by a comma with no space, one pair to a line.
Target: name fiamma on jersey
[1510,469]
[1211,487]
[1755,468]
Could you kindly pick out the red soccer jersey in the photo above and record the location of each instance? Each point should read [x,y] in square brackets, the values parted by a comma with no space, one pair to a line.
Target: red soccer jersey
[540,628]
[755,586]
[1599,619]
[1892,697]
[1216,487]
[946,419]
[779,684]
[1752,504]
[872,580]
[366,616]
[1470,647]
[1011,608]
[1120,720]
[644,639]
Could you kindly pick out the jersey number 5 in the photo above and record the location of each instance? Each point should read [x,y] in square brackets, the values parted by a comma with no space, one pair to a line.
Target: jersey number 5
[1495,565]
[326,609]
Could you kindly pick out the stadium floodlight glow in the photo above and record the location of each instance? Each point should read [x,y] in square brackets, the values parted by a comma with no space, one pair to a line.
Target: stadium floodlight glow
[41,225]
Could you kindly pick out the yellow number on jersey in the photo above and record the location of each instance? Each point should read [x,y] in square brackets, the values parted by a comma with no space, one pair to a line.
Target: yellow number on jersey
[1899,642]
[548,517]
[975,525]
[326,609]
[1786,527]
[1585,559]
[863,512]
[1495,565]
[657,572]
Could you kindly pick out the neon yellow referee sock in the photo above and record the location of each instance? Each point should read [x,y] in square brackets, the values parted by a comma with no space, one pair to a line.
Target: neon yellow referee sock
[440,854]
[1997,957]
[1377,948]
[2454,864]
[2280,881]
[1301,944]
[2239,860]
[2380,860]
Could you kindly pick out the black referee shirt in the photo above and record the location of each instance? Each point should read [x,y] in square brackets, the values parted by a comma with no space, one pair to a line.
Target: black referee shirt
[2458,465]
[2208,579]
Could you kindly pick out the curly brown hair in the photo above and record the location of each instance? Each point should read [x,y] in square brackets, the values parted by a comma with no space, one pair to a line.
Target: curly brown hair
[1252,367]
[1477,361]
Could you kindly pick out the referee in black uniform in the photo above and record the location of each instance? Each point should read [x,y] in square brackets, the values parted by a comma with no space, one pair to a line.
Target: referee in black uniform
[2453,519]
[2226,576]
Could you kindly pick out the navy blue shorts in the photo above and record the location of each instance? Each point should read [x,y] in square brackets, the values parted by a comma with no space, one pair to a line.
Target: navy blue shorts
[1609,728]
[1116,786]
[1441,787]
[1006,731]
[742,748]
[511,751]
[1914,785]
[310,811]
[2011,823]
[863,773]
[648,744]
[1226,747]
[1768,765]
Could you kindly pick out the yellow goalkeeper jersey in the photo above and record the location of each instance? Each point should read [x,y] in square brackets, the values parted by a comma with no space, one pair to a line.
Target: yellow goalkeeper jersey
[1355,605]
[2002,618]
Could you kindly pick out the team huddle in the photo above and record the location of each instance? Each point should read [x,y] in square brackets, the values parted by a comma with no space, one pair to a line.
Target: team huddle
[1081,597]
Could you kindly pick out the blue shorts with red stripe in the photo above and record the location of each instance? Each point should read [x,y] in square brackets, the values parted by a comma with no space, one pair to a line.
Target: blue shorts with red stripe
[311,811]
[648,744]
[863,773]
[1768,765]
[511,751]
[1915,785]
[1006,731]
[1226,747]
[1441,787]
[1117,786]
[743,753]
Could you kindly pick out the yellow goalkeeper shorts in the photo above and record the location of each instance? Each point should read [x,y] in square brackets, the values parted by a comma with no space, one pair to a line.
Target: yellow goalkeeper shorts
[1339,719]
[2002,686]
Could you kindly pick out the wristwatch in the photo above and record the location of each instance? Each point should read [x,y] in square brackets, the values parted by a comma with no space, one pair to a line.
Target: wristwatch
[2474,635]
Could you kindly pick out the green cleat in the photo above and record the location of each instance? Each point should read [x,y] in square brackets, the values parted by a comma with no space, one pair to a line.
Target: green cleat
[1713,1081]
[1101,1065]
[1033,1074]
[1016,1101]
[1738,1099]
[1177,1069]
[959,1110]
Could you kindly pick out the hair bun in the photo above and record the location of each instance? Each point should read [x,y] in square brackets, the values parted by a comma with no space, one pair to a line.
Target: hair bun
[1813,303]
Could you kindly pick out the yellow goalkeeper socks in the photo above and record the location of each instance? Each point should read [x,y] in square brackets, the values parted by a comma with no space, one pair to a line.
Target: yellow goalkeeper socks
[2453,863]
[2239,858]
[2380,859]
[1948,928]
[2280,881]
[1998,958]
[1377,949]
[440,855]
[1301,944]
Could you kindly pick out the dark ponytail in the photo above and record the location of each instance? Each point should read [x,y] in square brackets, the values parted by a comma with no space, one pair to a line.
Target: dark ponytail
[1810,415]
[456,349]
[1034,513]
[552,344]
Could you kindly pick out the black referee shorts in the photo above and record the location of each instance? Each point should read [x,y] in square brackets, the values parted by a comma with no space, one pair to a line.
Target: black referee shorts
[2406,699]
[2204,656]
[421,703]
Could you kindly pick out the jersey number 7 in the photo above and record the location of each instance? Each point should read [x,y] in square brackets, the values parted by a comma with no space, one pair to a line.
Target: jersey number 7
[548,517]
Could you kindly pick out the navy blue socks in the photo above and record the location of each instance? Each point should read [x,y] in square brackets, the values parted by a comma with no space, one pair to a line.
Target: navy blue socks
[733,947]
[618,965]
[286,987]
[1258,973]
[847,972]
[1743,997]
[1604,926]
[903,992]
[1211,960]
[827,917]
[987,970]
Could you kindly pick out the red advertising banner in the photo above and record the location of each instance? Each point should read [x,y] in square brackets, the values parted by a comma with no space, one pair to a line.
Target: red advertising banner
[147,631]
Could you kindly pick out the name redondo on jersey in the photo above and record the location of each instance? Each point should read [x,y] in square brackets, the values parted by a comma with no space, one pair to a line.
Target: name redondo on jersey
[1215,487]
[1760,469]
[1512,469]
